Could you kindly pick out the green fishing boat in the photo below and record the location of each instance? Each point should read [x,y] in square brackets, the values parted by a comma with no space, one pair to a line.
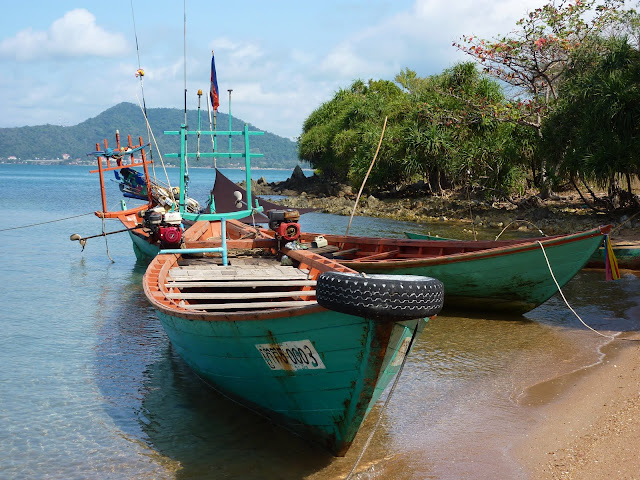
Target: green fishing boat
[509,275]
[290,334]
[425,236]
[627,252]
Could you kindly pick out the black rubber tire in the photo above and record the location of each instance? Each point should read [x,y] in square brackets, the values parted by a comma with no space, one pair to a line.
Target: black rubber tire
[392,297]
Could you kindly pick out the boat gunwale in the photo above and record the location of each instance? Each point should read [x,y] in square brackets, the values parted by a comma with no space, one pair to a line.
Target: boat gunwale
[157,273]
[477,254]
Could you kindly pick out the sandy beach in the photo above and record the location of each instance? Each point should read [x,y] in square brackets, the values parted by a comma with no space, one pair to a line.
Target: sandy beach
[588,426]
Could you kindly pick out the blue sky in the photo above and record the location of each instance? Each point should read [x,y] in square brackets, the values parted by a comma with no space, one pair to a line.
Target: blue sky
[62,61]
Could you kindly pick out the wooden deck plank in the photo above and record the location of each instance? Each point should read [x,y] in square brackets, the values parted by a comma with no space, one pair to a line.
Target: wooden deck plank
[238,295]
[226,273]
[250,306]
[267,282]
[234,278]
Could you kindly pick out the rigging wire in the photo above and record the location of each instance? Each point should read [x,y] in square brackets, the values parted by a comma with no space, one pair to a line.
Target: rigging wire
[49,221]
[152,136]
[141,76]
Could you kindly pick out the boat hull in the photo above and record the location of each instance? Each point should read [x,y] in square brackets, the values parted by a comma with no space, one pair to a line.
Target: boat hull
[143,249]
[513,278]
[323,392]
[627,254]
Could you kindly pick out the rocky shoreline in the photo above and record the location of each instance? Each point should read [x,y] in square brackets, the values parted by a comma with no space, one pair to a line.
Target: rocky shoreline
[564,213]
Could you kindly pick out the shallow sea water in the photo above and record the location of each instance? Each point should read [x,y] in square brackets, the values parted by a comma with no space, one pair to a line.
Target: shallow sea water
[91,388]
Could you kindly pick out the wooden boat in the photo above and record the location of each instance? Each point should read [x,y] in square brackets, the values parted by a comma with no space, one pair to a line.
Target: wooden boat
[426,236]
[288,333]
[160,223]
[151,226]
[627,252]
[476,274]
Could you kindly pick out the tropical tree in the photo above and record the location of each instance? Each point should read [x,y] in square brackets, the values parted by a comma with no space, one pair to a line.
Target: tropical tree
[594,134]
[533,59]
[432,134]
[340,134]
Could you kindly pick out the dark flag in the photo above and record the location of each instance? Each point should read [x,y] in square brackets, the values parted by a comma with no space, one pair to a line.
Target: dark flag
[215,99]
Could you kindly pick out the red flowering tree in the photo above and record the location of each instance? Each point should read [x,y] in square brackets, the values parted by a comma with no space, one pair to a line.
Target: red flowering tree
[533,58]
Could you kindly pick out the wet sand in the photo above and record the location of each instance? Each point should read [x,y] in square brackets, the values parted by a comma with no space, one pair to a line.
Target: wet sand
[589,427]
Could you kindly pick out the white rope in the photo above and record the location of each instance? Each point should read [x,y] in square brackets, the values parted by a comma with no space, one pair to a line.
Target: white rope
[519,221]
[565,298]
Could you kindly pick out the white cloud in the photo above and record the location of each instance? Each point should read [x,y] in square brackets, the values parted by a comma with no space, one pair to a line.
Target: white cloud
[76,34]
[276,84]
[422,38]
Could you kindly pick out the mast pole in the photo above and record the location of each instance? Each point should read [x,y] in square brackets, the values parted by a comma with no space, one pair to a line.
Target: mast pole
[230,90]
[184,54]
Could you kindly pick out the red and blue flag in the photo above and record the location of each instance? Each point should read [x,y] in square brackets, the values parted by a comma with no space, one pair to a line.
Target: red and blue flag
[214,92]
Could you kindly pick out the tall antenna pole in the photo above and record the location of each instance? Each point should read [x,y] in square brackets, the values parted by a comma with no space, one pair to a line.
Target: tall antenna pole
[184,54]
[230,90]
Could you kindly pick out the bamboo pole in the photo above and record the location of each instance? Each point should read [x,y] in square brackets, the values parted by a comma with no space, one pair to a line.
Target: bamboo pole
[384,127]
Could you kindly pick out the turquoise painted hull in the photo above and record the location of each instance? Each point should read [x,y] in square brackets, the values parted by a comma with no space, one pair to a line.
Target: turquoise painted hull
[628,256]
[144,250]
[327,405]
[425,236]
[513,278]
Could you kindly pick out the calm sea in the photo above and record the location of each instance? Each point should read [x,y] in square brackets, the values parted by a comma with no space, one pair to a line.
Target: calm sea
[91,389]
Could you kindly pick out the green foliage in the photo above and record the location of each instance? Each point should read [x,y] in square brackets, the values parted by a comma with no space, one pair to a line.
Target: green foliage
[341,135]
[50,141]
[433,133]
[595,131]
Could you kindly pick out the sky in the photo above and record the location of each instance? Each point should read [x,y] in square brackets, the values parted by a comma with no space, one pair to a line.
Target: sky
[63,62]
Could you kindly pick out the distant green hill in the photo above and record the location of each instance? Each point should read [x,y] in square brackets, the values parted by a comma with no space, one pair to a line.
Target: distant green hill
[52,141]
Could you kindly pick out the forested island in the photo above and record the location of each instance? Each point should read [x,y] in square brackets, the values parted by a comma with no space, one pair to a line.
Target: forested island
[71,144]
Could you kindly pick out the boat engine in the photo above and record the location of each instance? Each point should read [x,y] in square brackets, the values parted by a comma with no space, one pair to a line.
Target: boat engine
[285,223]
[165,227]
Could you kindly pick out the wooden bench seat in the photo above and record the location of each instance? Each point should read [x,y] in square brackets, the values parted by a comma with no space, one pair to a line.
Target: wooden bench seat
[249,305]
[240,283]
[239,287]
[219,273]
[238,295]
